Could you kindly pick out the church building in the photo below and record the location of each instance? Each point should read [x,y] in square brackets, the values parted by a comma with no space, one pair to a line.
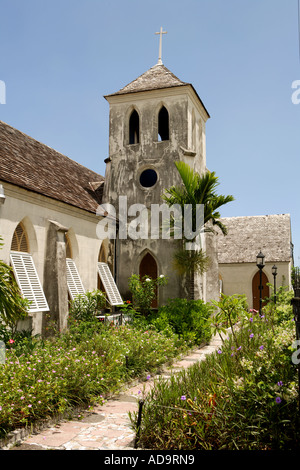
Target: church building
[50,207]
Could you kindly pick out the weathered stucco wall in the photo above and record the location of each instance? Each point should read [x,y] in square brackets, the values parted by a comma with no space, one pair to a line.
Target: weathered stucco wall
[35,212]
[127,161]
[237,278]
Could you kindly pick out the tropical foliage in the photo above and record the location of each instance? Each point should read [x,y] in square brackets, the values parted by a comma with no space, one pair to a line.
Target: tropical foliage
[12,305]
[244,396]
[196,190]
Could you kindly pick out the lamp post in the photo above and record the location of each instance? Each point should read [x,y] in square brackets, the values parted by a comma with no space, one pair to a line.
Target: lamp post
[274,272]
[260,264]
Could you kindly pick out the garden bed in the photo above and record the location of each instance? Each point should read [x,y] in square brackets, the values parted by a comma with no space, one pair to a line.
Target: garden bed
[244,396]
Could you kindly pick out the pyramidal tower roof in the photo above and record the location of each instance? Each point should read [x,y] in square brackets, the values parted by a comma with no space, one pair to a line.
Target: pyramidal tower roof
[157,77]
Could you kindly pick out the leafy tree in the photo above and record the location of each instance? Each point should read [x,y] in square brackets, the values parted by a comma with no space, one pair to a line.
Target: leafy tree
[196,189]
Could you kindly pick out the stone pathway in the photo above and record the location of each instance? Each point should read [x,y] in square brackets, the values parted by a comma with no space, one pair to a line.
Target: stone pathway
[107,427]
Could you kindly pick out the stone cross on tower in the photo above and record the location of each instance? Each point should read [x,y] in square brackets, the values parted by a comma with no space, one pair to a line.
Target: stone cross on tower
[160,45]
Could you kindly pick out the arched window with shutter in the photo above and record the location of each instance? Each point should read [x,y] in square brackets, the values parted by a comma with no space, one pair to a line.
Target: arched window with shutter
[25,272]
[74,282]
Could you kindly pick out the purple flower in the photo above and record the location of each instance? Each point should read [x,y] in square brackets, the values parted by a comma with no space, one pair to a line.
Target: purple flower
[219,351]
[261,348]
[148,377]
[251,336]
[183,397]
[280,383]
[278,400]
[251,319]
[240,347]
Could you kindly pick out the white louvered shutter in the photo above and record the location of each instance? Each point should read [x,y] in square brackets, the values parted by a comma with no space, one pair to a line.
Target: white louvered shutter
[109,285]
[74,282]
[28,281]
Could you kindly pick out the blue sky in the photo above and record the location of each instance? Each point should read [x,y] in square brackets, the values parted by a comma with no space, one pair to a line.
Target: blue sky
[58,59]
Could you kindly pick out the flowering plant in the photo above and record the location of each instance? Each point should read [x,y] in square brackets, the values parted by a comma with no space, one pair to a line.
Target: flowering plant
[144,291]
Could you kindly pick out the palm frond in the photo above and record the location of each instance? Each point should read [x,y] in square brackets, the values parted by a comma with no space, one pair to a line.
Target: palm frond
[191,261]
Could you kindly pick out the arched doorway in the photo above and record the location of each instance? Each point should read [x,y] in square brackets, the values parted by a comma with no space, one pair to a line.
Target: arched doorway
[255,289]
[148,267]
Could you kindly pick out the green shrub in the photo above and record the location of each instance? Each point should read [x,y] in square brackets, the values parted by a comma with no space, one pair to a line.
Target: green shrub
[282,310]
[244,396]
[86,306]
[189,319]
[80,367]
[12,305]
[144,290]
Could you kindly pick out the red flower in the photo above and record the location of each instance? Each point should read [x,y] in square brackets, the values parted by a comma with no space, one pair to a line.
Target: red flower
[11,341]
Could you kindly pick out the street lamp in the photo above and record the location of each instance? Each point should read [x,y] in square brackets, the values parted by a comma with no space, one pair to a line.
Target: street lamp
[274,272]
[260,264]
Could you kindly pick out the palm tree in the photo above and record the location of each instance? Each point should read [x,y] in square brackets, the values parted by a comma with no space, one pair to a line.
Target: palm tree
[196,189]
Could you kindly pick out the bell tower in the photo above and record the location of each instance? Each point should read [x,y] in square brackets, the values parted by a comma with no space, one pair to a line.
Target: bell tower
[154,121]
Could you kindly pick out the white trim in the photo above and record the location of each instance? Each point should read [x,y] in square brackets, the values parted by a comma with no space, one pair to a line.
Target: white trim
[109,284]
[75,286]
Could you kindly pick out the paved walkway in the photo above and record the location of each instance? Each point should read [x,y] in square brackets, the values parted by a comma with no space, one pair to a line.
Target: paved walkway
[107,427]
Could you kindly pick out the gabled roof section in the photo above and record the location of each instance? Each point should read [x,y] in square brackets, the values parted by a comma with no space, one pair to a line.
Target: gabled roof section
[156,78]
[34,166]
[248,235]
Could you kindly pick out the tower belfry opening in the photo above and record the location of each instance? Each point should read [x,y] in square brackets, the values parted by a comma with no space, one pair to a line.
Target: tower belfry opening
[134,128]
[163,124]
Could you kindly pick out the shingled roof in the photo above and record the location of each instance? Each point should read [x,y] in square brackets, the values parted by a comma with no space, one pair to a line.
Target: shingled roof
[157,77]
[34,166]
[247,235]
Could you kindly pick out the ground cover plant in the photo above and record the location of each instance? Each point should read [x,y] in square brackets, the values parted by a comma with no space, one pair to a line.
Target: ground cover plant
[78,368]
[244,396]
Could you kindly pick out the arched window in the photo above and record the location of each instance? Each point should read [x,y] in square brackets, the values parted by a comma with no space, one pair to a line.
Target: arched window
[74,282]
[20,240]
[25,272]
[102,254]
[102,259]
[68,247]
[163,124]
[134,128]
